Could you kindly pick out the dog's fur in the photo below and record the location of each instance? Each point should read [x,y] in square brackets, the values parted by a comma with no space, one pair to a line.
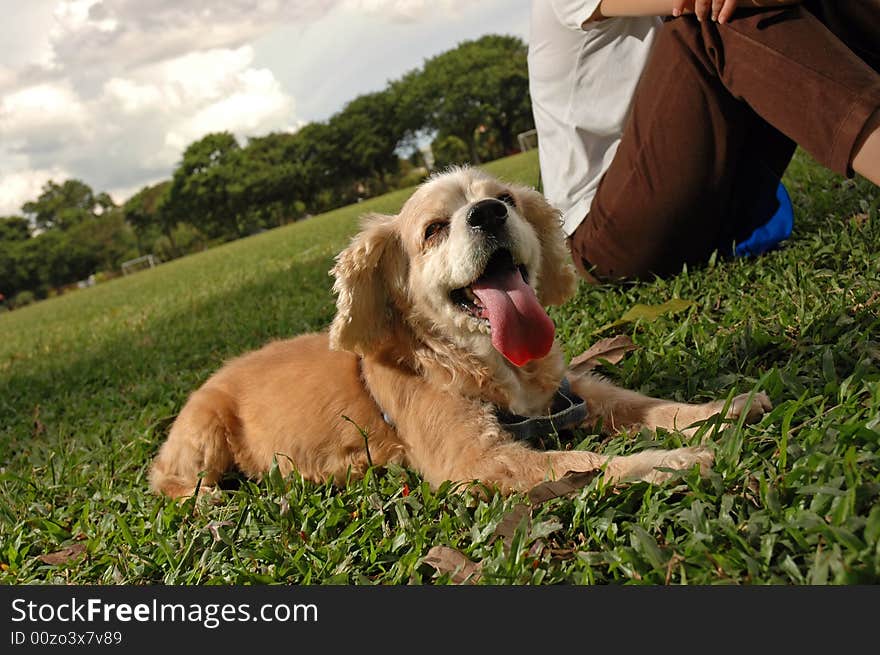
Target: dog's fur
[399,346]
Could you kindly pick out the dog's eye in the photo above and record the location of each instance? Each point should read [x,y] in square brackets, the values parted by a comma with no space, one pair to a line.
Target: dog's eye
[434,229]
[507,199]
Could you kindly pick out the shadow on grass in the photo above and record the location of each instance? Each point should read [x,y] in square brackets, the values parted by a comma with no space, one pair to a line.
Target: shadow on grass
[135,374]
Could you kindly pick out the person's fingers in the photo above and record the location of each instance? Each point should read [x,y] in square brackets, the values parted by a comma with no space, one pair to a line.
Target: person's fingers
[702,8]
[678,7]
[727,11]
[717,5]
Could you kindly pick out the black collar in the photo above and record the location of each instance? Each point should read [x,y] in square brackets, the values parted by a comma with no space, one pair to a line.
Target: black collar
[567,411]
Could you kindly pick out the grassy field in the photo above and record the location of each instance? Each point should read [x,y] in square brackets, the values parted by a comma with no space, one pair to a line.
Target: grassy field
[90,382]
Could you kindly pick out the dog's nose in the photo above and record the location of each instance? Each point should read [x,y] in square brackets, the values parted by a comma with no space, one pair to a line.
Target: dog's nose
[488,215]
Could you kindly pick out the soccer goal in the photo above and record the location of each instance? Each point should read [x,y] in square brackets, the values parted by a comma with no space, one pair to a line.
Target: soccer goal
[138,264]
[528,140]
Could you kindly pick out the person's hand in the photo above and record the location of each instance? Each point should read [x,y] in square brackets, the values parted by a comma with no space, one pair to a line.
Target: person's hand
[722,10]
[719,10]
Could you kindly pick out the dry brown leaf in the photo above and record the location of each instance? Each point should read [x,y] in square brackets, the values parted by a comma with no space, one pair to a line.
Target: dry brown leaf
[611,349]
[64,555]
[870,302]
[462,570]
[537,549]
[511,521]
[214,528]
[571,482]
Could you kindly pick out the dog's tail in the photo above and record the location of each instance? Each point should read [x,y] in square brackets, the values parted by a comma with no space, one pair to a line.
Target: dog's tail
[198,445]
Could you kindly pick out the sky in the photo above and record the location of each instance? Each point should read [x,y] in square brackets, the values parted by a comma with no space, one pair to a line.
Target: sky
[112,91]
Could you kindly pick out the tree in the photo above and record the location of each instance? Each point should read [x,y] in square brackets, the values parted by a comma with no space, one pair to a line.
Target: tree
[411,104]
[99,244]
[144,211]
[366,134]
[64,205]
[206,189]
[9,267]
[511,111]
[449,150]
[79,232]
[316,151]
[273,181]
[14,228]
[479,84]
[18,263]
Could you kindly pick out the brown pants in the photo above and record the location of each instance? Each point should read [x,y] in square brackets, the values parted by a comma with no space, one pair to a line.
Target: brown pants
[715,121]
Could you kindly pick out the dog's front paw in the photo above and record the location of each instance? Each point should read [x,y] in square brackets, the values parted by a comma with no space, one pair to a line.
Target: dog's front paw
[752,406]
[680,459]
[646,465]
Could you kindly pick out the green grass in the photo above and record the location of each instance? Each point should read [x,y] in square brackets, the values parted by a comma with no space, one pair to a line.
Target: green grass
[90,382]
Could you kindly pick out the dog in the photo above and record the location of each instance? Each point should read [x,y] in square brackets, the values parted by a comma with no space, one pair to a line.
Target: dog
[440,334]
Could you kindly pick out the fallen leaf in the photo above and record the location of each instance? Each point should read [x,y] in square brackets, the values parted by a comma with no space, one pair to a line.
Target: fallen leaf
[537,549]
[214,527]
[870,302]
[64,555]
[508,524]
[463,570]
[611,350]
[449,560]
[571,482]
[649,313]
[674,561]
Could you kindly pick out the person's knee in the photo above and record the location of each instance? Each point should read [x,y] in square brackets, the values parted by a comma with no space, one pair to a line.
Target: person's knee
[683,33]
[600,257]
[599,263]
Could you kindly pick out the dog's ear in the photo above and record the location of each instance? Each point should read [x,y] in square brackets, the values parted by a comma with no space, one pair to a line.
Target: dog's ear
[367,274]
[558,277]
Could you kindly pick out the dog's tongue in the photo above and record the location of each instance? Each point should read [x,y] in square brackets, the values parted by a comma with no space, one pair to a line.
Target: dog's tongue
[521,329]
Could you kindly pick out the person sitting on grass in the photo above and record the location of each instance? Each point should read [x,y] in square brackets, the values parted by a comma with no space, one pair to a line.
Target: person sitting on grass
[663,141]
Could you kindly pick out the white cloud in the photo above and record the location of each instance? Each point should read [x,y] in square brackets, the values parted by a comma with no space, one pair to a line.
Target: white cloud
[8,77]
[220,90]
[119,87]
[111,91]
[136,127]
[21,186]
[133,97]
[408,10]
[36,111]
[94,37]
[24,32]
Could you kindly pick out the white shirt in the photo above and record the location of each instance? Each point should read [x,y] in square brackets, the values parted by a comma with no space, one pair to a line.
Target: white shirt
[582,77]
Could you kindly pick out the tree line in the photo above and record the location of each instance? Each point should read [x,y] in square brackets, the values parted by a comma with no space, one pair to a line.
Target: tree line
[469,103]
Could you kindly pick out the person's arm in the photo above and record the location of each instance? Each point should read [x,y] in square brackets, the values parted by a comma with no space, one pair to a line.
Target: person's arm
[720,10]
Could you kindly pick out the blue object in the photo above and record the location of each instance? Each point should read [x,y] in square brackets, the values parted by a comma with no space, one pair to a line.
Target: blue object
[777,229]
